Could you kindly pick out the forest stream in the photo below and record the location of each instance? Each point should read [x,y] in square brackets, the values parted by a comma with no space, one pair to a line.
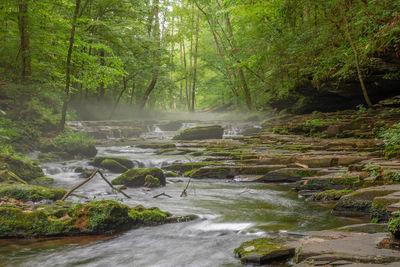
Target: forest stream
[229,213]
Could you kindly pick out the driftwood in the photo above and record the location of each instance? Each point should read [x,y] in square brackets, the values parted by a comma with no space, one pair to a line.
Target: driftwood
[90,178]
[184,192]
[162,194]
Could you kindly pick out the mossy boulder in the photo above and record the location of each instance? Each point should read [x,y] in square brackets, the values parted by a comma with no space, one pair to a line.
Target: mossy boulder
[137,177]
[27,192]
[201,133]
[24,169]
[54,156]
[171,126]
[262,251]
[97,161]
[113,166]
[61,218]
[151,181]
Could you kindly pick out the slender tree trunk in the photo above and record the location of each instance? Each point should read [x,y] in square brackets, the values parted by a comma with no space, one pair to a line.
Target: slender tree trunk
[125,86]
[242,77]
[102,89]
[356,56]
[186,74]
[196,48]
[156,56]
[221,53]
[132,91]
[181,82]
[23,26]
[68,68]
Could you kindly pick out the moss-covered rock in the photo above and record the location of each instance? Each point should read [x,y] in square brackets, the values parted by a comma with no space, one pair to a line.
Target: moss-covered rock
[136,177]
[97,161]
[54,156]
[113,165]
[330,195]
[24,169]
[60,218]
[201,133]
[151,181]
[262,251]
[26,192]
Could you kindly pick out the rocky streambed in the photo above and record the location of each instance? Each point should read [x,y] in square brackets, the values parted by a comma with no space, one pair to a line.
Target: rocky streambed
[296,198]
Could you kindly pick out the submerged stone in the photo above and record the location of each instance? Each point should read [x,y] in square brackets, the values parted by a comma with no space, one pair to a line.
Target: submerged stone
[201,133]
[137,177]
[262,251]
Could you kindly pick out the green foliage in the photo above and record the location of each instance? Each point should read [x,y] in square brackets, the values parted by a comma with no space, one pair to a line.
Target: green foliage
[73,143]
[151,181]
[394,224]
[391,138]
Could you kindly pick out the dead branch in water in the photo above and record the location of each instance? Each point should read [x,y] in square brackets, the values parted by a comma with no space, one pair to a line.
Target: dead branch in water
[184,192]
[162,194]
[90,178]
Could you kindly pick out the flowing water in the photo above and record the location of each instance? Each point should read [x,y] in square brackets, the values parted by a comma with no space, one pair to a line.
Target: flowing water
[229,214]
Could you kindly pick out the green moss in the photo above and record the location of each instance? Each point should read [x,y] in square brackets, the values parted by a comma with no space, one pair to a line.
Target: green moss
[97,161]
[191,172]
[113,165]
[152,216]
[54,156]
[24,169]
[43,180]
[184,167]
[197,153]
[151,181]
[171,174]
[73,143]
[30,192]
[136,177]
[306,172]
[261,251]
[330,195]
[394,224]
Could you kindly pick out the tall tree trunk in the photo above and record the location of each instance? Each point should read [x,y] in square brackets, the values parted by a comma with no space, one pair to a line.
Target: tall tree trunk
[221,53]
[102,89]
[156,56]
[23,26]
[186,74]
[356,57]
[68,68]
[196,48]
[181,83]
[132,91]
[242,77]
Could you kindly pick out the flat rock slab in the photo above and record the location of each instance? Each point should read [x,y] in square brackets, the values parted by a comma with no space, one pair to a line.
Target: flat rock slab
[328,247]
